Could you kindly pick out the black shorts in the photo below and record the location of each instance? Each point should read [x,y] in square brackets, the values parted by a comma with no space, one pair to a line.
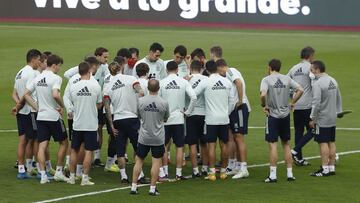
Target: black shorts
[217,131]
[128,129]
[27,125]
[101,117]
[239,119]
[56,129]
[325,135]
[277,127]
[89,138]
[176,132]
[195,130]
[157,152]
[70,125]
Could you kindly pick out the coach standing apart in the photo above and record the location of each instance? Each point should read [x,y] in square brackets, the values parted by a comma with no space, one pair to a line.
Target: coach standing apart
[153,111]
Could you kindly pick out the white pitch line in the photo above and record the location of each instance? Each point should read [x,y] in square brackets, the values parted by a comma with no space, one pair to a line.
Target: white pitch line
[251,127]
[128,187]
[135,29]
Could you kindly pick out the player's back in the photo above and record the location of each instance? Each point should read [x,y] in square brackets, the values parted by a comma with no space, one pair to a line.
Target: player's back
[24,76]
[300,73]
[199,107]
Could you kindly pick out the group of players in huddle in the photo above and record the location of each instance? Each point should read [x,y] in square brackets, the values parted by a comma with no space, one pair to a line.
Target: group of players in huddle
[149,102]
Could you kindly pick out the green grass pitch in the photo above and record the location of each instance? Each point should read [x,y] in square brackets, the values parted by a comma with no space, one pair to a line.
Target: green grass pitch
[247,50]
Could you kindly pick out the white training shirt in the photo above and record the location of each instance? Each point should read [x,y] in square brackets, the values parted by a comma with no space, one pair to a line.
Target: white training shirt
[173,89]
[71,72]
[66,98]
[157,68]
[233,74]
[84,95]
[100,74]
[23,77]
[183,69]
[44,84]
[199,106]
[216,90]
[107,81]
[144,85]
[123,96]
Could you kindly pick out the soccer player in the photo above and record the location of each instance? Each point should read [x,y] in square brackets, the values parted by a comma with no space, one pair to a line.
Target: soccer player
[86,97]
[195,123]
[23,115]
[302,75]
[70,109]
[156,65]
[134,56]
[275,92]
[199,55]
[142,71]
[114,68]
[125,53]
[153,111]
[126,120]
[326,103]
[50,108]
[216,90]
[182,59]
[174,90]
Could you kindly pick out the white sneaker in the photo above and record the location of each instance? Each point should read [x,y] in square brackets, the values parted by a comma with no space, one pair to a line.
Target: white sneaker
[71,181]
[60,177]
[241,174]
[86,182]
[231,172]
[44,180]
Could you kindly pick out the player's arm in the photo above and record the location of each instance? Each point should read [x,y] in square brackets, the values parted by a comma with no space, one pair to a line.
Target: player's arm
[138,89]
[28,98]
[264,87]
[192,95]
[69,106]
[338,101]
[107,102]
[316,90]
[57,96]
[239,87]
[167,112]
[15,96]
[71,72]
[298,92]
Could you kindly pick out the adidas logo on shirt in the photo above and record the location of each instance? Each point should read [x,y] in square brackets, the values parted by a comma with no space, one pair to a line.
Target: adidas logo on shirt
[152,108]
[117,85]
[42,83]
[172,85]
[84,92]
[279,84]
[196,84]
[18,76]
[332,86]
[298,72]
[219,86]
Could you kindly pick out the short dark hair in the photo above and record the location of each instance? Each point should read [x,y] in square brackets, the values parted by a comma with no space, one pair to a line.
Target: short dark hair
[211,66]
[156,47]
[142,69]
[120,60]
[91,60]
[153,85]
[124,52]
[84,68]
[275,65]
[134,50]
[197,52]
[100,51]
[171,66]
[31,54]
[307,52]
[319,65]
[221,63]
[54,59]
[217,51]
[196,66]
[43,57]
[181,49]
[47,53]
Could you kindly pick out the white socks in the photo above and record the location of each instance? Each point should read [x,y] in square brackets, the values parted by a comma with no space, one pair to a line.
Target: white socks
[161,173]
[152,188]
[231,163]
[205,168]
[326,169]
[59,170]
[166,170]
[196,170]
[109,162]
[48,165]
[123,174]
[97,154]
[21,168]
[331,168]
[79,168]
[243,166]
[290,173]
[133,187]
[273,172]
[67,160]
[179,172]
[28,163]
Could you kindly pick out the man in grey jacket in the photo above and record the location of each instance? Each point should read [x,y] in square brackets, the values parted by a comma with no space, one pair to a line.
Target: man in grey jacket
[326,104]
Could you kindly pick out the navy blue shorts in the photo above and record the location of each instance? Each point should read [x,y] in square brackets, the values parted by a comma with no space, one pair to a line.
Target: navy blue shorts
[56,129]
[325,135]
[27,125]
[101,117]
[157,152]
[70,125]
[277,127]
[128,129]
[89,138]
[217,131]
[195,130]
[176,132]
[239,119]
